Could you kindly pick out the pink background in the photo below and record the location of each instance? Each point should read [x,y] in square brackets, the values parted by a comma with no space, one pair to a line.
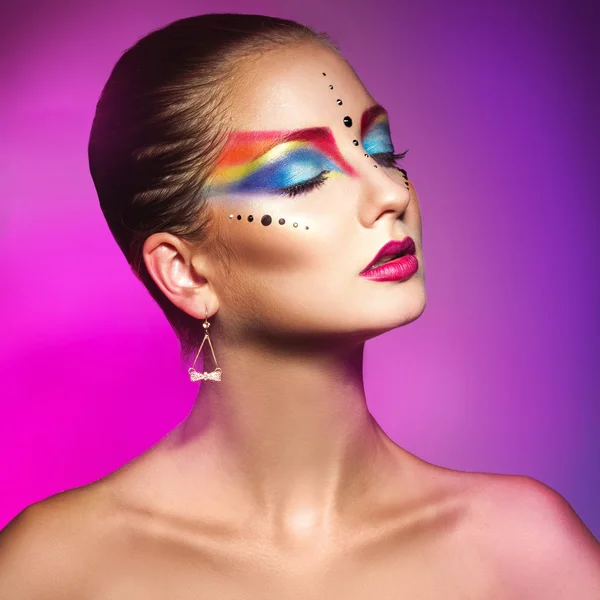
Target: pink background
[498,104]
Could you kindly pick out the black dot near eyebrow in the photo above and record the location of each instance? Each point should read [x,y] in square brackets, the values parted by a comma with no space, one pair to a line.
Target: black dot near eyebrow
[324,74]
[266,220]
[282,221]
[347,121]
[339,102]
[250,218]
[355,142]
[239,217]
[306,227]
[330,87]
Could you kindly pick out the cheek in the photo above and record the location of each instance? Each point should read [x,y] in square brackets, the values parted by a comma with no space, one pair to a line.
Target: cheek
[279,270]
[291,233]
[294,239]
[266,236]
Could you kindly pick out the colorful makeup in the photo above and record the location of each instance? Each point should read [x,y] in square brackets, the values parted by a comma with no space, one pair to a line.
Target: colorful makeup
[375,131]
[377,139]
[293,162]
[376,136]
[266,220]
[276,162]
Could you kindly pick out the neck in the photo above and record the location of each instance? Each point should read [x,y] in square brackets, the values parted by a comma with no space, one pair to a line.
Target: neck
[294,430]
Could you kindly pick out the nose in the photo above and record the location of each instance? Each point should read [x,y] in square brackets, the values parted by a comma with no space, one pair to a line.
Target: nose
[385,194]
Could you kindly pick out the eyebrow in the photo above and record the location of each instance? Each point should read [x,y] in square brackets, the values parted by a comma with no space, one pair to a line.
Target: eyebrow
[245,146]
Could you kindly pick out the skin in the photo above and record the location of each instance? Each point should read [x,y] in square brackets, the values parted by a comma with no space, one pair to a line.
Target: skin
[280,484]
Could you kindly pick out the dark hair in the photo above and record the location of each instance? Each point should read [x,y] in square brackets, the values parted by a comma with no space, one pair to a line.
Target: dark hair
[159,127]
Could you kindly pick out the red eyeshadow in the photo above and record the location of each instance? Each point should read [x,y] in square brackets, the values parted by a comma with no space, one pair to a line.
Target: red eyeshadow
[246,146]
[369,116]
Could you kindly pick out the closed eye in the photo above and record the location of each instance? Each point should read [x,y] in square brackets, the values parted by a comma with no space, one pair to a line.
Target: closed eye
[305,186]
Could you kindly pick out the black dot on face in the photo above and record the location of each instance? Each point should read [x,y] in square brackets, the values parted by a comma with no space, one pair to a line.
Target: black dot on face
[295,224]
[306,227]
[282,221]
[266,220]
[375,166]
[347,121]
[339,101]
[355,142]
[239,217]
[250,218]
[330,87]
[324,74]
[366,155]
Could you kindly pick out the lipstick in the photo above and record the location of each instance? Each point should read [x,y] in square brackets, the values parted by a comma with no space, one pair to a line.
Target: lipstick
[401,265]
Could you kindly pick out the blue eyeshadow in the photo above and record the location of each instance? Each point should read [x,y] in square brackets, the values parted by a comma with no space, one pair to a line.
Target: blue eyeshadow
[299,166]
[378,139]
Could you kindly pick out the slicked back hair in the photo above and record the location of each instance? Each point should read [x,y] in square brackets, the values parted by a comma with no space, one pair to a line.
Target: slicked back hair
[159,127]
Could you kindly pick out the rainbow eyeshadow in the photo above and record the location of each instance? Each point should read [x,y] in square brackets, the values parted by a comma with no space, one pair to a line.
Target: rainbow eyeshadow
[375,131]
[269,161]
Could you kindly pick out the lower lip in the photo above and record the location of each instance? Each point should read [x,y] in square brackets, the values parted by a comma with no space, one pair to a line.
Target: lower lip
[396,270]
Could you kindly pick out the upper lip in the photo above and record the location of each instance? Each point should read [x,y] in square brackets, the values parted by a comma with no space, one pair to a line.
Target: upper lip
[393,248]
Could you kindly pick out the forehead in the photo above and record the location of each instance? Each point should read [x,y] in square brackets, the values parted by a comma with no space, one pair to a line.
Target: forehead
[285,89]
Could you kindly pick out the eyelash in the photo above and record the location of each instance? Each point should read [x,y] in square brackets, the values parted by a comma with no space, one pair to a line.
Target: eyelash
[386,159]
[305,186]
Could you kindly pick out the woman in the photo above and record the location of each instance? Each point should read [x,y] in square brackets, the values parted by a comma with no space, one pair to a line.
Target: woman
[251,182]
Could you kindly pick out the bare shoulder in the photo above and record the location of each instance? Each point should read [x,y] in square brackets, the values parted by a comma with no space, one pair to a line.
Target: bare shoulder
[47,548]
[523,505]
[538,541]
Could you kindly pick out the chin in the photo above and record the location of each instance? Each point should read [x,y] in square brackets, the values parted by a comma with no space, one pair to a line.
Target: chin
[398,311]
[416,313]
[412,308]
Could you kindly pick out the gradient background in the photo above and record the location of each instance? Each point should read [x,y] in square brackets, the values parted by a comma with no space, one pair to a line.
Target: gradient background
[498,104]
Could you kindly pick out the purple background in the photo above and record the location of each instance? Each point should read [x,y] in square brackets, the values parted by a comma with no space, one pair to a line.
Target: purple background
[497,103]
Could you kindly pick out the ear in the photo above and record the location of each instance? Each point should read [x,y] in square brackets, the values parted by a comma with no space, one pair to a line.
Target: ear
[169,263]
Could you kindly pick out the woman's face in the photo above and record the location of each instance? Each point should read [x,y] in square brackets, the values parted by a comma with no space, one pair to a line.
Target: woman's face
[304,195]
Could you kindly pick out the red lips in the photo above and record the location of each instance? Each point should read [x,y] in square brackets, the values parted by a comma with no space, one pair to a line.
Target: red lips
[393,248]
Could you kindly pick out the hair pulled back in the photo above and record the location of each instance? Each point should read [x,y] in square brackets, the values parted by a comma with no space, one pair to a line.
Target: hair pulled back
[159,126]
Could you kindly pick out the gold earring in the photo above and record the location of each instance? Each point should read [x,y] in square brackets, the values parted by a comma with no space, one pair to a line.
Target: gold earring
[216,374]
